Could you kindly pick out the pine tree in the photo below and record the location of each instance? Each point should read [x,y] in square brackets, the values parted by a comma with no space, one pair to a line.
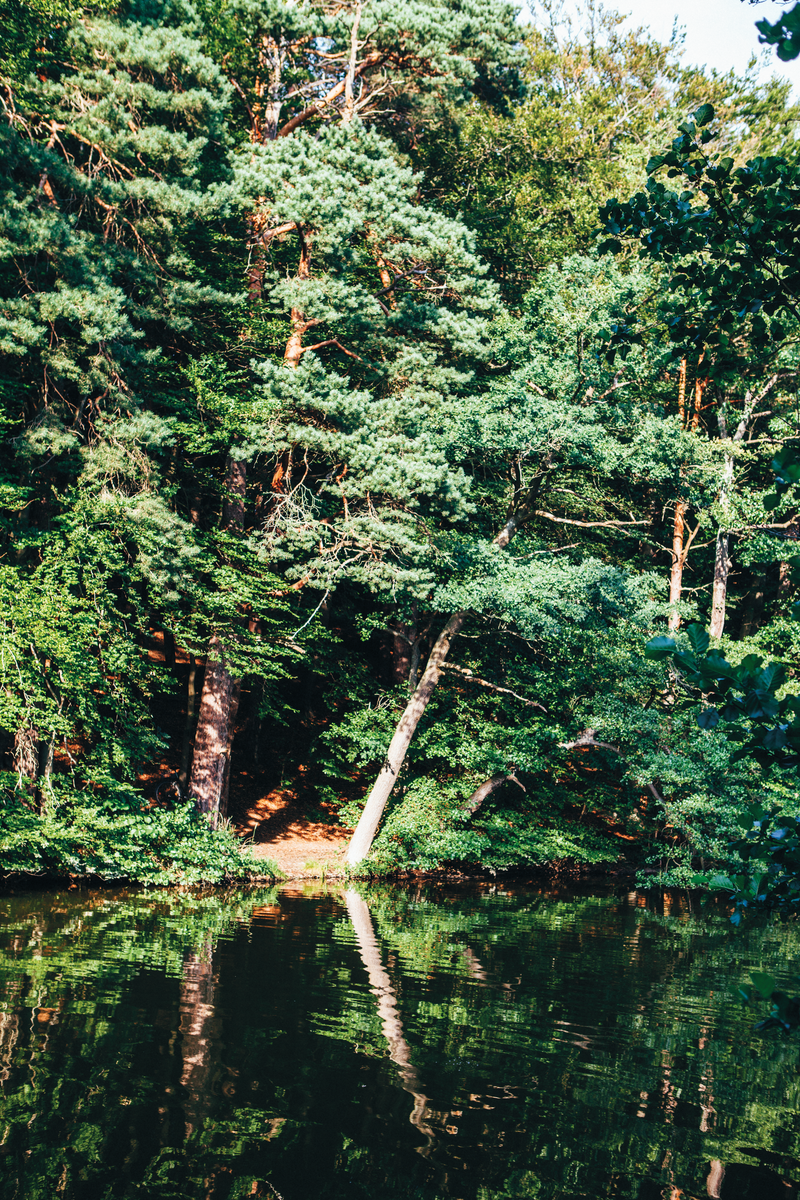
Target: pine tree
[393,293]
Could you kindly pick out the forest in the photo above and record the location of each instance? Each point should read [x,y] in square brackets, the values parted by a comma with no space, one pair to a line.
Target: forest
[377,381]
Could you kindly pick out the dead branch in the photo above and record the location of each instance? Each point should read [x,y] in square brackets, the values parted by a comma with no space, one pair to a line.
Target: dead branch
[485,790]
[493,687]
[587,739]
[538,512]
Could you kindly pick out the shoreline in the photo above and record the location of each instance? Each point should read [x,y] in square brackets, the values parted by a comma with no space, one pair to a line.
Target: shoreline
[563,871]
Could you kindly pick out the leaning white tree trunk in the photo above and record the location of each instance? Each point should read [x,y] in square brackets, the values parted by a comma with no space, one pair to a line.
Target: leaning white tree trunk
[398,747]
[367,827]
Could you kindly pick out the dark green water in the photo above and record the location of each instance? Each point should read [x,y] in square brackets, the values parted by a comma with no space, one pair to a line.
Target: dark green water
[468,1044]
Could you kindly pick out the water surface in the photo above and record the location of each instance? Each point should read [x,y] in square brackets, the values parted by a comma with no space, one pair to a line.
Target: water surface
[489,1043]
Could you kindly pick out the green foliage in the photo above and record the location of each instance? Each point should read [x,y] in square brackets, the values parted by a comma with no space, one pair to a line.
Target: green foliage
[80,838]
[728,238]
[598,102]
[750,700]
[784,34]
[263,394]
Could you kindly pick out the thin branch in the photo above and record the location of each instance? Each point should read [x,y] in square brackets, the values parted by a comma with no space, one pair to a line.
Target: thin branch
[317,108]
[338,344]
[587,739]
[538,512]
[493,687]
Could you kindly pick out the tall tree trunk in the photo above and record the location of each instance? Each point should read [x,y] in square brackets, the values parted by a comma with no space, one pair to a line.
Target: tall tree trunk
[784,580]
[722,558]
[678,561]
[211,740]
[264,118]
[398,644]
[235,493]
[349,110]
[220,697]
[680,548]
[26,755]
[188,727]
[299,325]
[367,827]
[233,710]
[719,594]
[753,614]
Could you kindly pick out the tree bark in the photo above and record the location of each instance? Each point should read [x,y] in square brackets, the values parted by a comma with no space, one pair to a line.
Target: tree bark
[784,580]
[233,710]
[26,754]
[722,558]
[680,549]
[719,594]
[398,747]
[678,562]
[294,346]
[168,643]
[211,741]
[348,112]
[220,696]
[235,493]
[188,727]
[486,789]
[377,800]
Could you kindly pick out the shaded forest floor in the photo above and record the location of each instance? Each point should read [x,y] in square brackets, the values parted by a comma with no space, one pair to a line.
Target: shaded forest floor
[287,824]
[283,830]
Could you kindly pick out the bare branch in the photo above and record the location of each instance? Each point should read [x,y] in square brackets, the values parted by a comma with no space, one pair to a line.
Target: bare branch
[318,107]
[485,790]
[493,687]
[586,524]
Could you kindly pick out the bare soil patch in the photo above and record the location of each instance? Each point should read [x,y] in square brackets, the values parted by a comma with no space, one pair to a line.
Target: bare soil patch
[281,830]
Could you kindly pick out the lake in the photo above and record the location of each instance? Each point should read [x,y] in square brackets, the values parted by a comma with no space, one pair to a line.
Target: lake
[488,1042]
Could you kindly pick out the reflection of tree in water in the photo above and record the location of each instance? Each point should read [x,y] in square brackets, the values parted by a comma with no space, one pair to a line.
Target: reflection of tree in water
[392,1026]
[546,1047]
[197,1028]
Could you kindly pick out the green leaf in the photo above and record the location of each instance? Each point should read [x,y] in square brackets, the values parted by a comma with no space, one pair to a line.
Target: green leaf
[698,636]
[708,718]
[764,984]
[704,114]
[659,648]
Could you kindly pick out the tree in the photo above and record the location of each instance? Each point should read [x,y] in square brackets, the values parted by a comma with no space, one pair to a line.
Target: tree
[784,33]
[538,436]
[598,102]
[371,334]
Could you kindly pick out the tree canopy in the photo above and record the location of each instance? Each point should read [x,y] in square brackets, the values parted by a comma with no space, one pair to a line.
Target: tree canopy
[376,381]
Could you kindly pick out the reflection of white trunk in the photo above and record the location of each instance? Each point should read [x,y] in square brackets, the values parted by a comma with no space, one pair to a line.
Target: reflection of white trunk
[9,1036]
[392,1026]
[715,1178]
